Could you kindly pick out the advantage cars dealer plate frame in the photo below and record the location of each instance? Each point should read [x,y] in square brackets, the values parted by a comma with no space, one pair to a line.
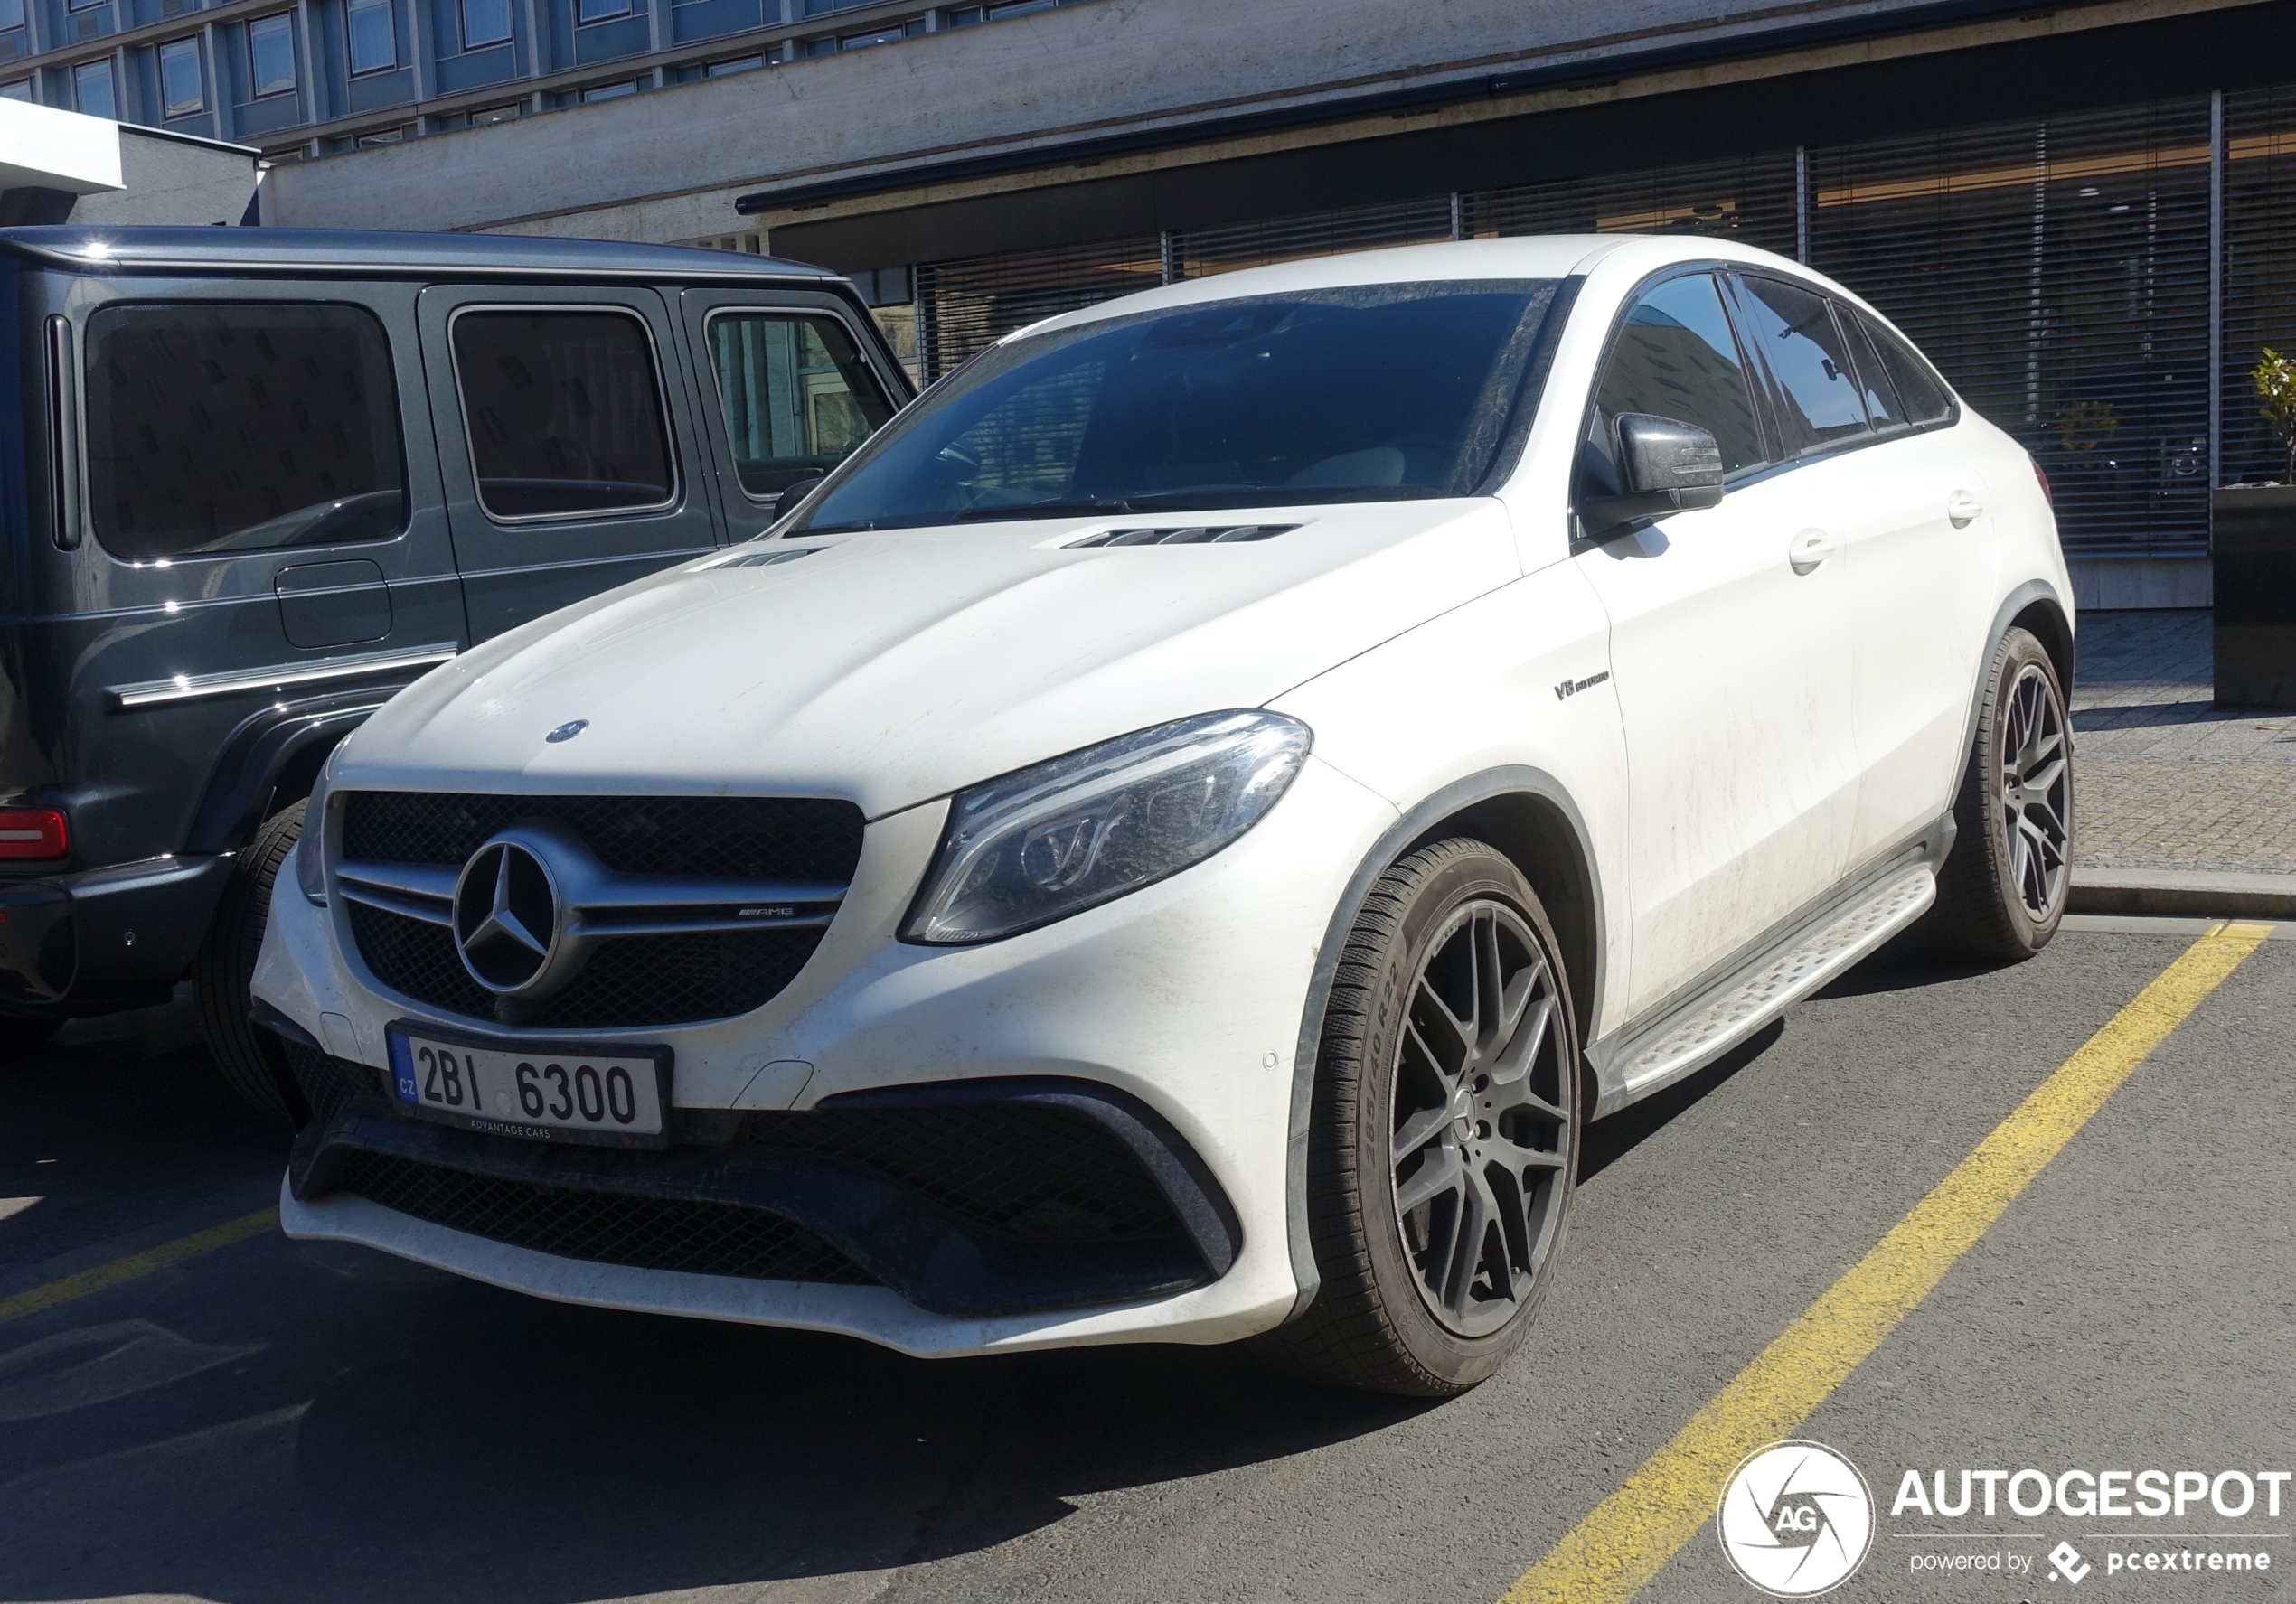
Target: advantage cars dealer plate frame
[433,1072]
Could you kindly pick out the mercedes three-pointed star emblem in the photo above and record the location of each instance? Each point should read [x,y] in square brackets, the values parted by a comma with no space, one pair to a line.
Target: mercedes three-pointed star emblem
[506,916]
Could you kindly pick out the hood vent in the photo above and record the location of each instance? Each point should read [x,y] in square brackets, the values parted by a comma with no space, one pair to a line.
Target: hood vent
[766,559]
[1196,535]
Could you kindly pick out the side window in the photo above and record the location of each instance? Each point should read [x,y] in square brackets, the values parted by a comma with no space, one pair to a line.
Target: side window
[798,396]
[1873,379]
[565,412]
[220,426]
[1793,328]
[1675,357]
[1924,398]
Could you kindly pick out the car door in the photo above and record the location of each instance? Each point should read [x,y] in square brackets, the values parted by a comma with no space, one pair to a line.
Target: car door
[565,440]
[1730,657]
[793,390]
[259,518]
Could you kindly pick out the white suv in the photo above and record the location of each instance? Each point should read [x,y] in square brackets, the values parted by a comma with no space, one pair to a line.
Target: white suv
[1173,840]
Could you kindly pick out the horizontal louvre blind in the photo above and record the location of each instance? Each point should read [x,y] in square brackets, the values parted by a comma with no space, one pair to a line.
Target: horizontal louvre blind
[1206,252]
[2058,272]
[966,306]
[2260,270]
[1750,200]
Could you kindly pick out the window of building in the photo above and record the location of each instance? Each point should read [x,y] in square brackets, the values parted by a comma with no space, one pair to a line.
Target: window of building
[610,91]
[564,412]
[798,396]
[270,54]
[1674,357]
[92,88]
[600,11]
[486,116]
[83,4]
[11,15]
[738,64]
[1795,329]
[223,426]
[20,89]
[181,90]
[374,37]
[485,22]
[376,138]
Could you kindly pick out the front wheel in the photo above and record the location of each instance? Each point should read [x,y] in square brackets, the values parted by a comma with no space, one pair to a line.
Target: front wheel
[251,1060]
[1445,1137]
[2004,886]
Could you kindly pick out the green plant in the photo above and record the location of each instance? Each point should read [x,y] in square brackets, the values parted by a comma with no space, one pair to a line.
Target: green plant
[2275,378]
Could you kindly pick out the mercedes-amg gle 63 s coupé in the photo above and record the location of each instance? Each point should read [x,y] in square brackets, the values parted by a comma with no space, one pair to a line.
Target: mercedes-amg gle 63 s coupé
[1175,837]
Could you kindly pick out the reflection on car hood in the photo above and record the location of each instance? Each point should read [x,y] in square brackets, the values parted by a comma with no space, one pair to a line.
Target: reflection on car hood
[891,668]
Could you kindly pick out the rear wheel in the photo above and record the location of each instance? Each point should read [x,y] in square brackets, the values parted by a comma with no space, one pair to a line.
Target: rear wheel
[251,1061]
[2004,886]
[1444,1140]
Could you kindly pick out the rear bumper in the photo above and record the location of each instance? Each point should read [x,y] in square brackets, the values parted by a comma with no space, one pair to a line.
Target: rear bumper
[105,938]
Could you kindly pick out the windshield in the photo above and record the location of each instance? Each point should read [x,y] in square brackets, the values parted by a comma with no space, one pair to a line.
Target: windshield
[1379,393]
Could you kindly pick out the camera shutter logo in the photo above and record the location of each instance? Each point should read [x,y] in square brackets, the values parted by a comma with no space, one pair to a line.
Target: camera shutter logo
[1795,1519]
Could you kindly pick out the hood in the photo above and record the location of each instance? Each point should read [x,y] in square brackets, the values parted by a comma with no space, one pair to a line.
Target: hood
[894,667]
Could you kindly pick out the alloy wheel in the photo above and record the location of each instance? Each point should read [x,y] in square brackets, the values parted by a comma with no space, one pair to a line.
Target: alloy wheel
[1480,1129]
[2037,792]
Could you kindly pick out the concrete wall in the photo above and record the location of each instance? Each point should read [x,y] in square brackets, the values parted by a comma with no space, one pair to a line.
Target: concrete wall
[667,165]
[173,181]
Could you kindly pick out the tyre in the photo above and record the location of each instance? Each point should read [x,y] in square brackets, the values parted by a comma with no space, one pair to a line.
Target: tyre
[2004,886]
[1445,1137]
[251,1060]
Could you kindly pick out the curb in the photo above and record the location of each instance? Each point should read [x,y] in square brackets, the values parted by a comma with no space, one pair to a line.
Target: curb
[2182,893]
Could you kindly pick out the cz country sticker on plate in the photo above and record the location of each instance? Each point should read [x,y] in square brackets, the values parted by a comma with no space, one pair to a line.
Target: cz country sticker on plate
[616,1096]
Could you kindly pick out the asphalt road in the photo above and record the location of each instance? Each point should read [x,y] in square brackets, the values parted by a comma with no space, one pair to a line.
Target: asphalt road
[275,1423]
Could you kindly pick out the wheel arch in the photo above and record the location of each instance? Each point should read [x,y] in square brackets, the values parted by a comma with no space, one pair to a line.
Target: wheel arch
[1531,817]
[2033,605]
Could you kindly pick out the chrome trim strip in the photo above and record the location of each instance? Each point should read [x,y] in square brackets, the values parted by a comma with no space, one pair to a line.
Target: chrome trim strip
[183,688]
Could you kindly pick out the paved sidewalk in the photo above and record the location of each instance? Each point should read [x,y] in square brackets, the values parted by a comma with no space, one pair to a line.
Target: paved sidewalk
[2166,782]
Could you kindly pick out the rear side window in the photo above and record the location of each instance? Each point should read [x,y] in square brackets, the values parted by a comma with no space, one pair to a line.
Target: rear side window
[565,412]
[1794,330]
[217,426]
[1676,356]
[1873,379]
[1918,389]
[797,395]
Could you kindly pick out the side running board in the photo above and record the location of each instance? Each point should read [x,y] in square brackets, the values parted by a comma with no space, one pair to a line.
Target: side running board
[1710,1026]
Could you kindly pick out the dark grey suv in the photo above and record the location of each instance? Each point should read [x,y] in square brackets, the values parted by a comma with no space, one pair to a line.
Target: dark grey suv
[253,482]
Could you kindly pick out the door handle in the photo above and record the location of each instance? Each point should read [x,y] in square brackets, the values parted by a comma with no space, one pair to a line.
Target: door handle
[1809,549]
[1961,508]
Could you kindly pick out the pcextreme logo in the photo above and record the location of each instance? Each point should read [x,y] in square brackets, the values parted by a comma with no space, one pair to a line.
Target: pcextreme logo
[1795,1519]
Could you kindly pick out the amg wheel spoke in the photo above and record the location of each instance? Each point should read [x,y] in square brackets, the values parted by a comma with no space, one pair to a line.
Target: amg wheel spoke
[1518,1158]
[1439,1172]
[1418,1130]
[1461,1032]
[1515,1061]
[1466,1244]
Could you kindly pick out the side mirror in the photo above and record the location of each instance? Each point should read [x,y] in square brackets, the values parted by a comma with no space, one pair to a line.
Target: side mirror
[786,502]
[1664,466]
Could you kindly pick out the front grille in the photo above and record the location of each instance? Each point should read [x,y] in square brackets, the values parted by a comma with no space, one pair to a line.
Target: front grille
[602,1227]
[631,982]
[748,837]
[1042,1173]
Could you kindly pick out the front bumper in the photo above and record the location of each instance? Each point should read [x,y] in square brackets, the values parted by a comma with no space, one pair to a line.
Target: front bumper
[105,938]
[1182,1000]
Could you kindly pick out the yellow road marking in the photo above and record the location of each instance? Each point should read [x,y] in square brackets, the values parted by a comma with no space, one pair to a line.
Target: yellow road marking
[1611,1554]
[135,1265]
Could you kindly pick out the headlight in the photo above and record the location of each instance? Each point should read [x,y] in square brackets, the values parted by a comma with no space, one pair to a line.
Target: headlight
[310,846]
[1069,834]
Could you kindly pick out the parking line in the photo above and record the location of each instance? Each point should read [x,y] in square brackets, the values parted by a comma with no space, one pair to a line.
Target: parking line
[1611,1554]
[137,1265]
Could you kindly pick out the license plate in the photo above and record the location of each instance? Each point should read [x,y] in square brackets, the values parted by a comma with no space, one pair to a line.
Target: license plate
[545,1093]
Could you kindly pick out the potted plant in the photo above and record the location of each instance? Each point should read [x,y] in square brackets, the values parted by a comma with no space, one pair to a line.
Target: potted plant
[2252,539]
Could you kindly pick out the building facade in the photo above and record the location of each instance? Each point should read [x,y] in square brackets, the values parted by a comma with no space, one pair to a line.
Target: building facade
[2085,213]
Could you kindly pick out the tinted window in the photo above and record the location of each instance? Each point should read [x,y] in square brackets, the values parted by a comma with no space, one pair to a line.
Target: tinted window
[1918,390]
[1377,393]
[1873,380]
[565,413]
[230,426]
[1675,357]
[797,395]
[1794,330]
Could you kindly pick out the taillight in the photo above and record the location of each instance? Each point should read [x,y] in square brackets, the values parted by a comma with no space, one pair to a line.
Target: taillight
[2046,495]
[33,832]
